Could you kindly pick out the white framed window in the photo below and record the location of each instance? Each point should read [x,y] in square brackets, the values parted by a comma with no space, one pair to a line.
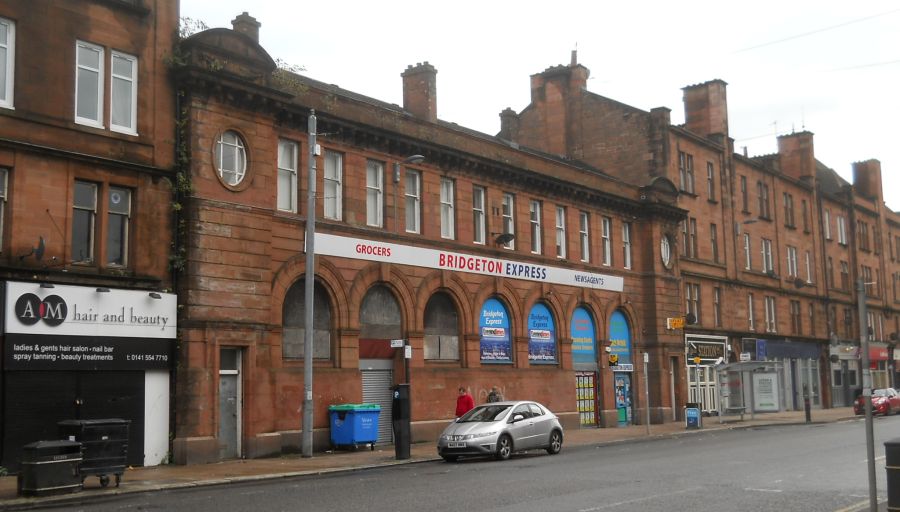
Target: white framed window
[827,222]
[231,158]
[751,322]
[841,230]
[374,193]
[626,244]
[714,242]
[771,324]
[768,265]
[448,215]
[413,194]
[118,229]
[287,176]
[478,218]
[509,223]
[534,216]
[560,232]
[123,93]
[606,241]
[711,181]
[7,62]
[584,235]
[89,84]
[4,197]
[792,268]
[747,253]
[692,300]
[84,221]
[334,185]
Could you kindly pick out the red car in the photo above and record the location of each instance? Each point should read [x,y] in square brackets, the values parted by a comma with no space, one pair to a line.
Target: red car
[884,401]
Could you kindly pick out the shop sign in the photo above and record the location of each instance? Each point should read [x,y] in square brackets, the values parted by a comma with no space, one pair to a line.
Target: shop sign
[79,328]
[494,327]
[358,248]
[583,338]
[541,336]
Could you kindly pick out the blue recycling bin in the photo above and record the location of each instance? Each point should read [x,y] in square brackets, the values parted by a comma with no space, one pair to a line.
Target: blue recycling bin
[354,424]
[692,416]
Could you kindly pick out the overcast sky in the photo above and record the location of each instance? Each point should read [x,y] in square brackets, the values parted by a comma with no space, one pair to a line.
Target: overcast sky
[830,67]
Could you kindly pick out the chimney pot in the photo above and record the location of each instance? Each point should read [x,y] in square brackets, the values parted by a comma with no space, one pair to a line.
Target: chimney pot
[420,91]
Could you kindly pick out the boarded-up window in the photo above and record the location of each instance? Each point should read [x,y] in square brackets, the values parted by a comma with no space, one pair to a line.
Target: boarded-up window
[294,322]
[441,328]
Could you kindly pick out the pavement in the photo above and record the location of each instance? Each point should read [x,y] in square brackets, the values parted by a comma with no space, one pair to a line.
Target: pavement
[170,476]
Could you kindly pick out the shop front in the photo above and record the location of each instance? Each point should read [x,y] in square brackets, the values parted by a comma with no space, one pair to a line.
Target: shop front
[878,364]
[845,374]
[73,352]
[800,363]
[584,361]
[703,353]
[620,358]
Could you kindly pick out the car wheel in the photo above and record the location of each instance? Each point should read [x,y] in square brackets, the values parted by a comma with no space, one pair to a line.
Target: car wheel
[504,447]
[887,411]
[449,458]
[555,443]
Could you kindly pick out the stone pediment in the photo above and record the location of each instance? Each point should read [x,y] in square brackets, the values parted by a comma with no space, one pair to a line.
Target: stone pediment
[223,50]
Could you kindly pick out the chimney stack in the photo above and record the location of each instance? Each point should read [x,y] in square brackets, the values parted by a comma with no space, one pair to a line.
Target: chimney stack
[706,108]
[867,180]
[420,91]
[248,25]
[796,155]
[509,125]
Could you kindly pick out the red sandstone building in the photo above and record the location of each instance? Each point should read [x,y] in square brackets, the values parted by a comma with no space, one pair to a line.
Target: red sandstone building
[87,156]
[548,260]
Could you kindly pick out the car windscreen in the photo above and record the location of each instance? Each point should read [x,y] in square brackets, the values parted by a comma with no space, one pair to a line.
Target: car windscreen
[485,413]
[880,392]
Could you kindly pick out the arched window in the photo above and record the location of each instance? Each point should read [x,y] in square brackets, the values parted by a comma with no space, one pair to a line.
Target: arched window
[231,158]
[293,319]
[441,328]
[379,315]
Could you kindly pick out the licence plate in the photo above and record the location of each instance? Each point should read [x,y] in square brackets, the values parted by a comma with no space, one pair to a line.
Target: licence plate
[455,444]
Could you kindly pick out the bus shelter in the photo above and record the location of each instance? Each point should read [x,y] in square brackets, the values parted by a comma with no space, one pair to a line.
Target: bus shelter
[749,387]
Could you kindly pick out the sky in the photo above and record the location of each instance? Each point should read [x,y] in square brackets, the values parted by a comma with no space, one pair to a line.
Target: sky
[829,67]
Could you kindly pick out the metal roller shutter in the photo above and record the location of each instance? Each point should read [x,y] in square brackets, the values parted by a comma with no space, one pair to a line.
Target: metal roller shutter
[376,386]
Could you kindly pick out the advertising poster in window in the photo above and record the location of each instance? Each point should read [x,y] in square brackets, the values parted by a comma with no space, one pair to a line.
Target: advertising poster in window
[765,392]
[620,343]
[584,343]
[495,337]
[541,336]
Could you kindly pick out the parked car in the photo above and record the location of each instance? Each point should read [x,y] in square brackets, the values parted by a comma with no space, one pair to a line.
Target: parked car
[501,429]
[884,401]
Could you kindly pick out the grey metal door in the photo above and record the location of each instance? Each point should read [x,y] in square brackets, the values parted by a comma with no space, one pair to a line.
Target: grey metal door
[229,404]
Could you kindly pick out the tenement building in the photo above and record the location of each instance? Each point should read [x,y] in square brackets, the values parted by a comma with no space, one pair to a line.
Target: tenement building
[87,156]
[587,256]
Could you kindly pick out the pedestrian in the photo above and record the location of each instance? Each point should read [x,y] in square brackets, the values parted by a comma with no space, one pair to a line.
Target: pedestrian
[464,402]
[495,395]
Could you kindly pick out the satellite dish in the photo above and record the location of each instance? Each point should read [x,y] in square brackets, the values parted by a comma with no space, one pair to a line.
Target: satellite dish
[39,251]
[799,283]
[690,319]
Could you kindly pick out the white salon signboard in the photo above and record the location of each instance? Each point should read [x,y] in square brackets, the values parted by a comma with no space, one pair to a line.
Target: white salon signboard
[81,328]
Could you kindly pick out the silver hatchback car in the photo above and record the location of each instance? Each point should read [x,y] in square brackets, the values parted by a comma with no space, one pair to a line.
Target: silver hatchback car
[500,429]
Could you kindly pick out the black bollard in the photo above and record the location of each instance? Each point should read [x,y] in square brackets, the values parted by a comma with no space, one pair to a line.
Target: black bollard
[892,467]
[806,409]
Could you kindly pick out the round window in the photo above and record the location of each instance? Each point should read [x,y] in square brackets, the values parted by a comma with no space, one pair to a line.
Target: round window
[231,158]
[665,250]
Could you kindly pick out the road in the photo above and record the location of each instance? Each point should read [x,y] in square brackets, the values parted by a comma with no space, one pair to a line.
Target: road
[778,468]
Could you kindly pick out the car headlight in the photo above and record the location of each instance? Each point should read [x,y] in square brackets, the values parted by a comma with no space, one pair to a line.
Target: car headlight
[478,436]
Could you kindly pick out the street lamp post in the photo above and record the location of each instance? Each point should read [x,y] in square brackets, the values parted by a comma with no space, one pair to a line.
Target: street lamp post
[867,390]
[306,440]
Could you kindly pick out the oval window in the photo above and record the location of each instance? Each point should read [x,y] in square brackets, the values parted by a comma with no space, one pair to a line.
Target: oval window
[231,158]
